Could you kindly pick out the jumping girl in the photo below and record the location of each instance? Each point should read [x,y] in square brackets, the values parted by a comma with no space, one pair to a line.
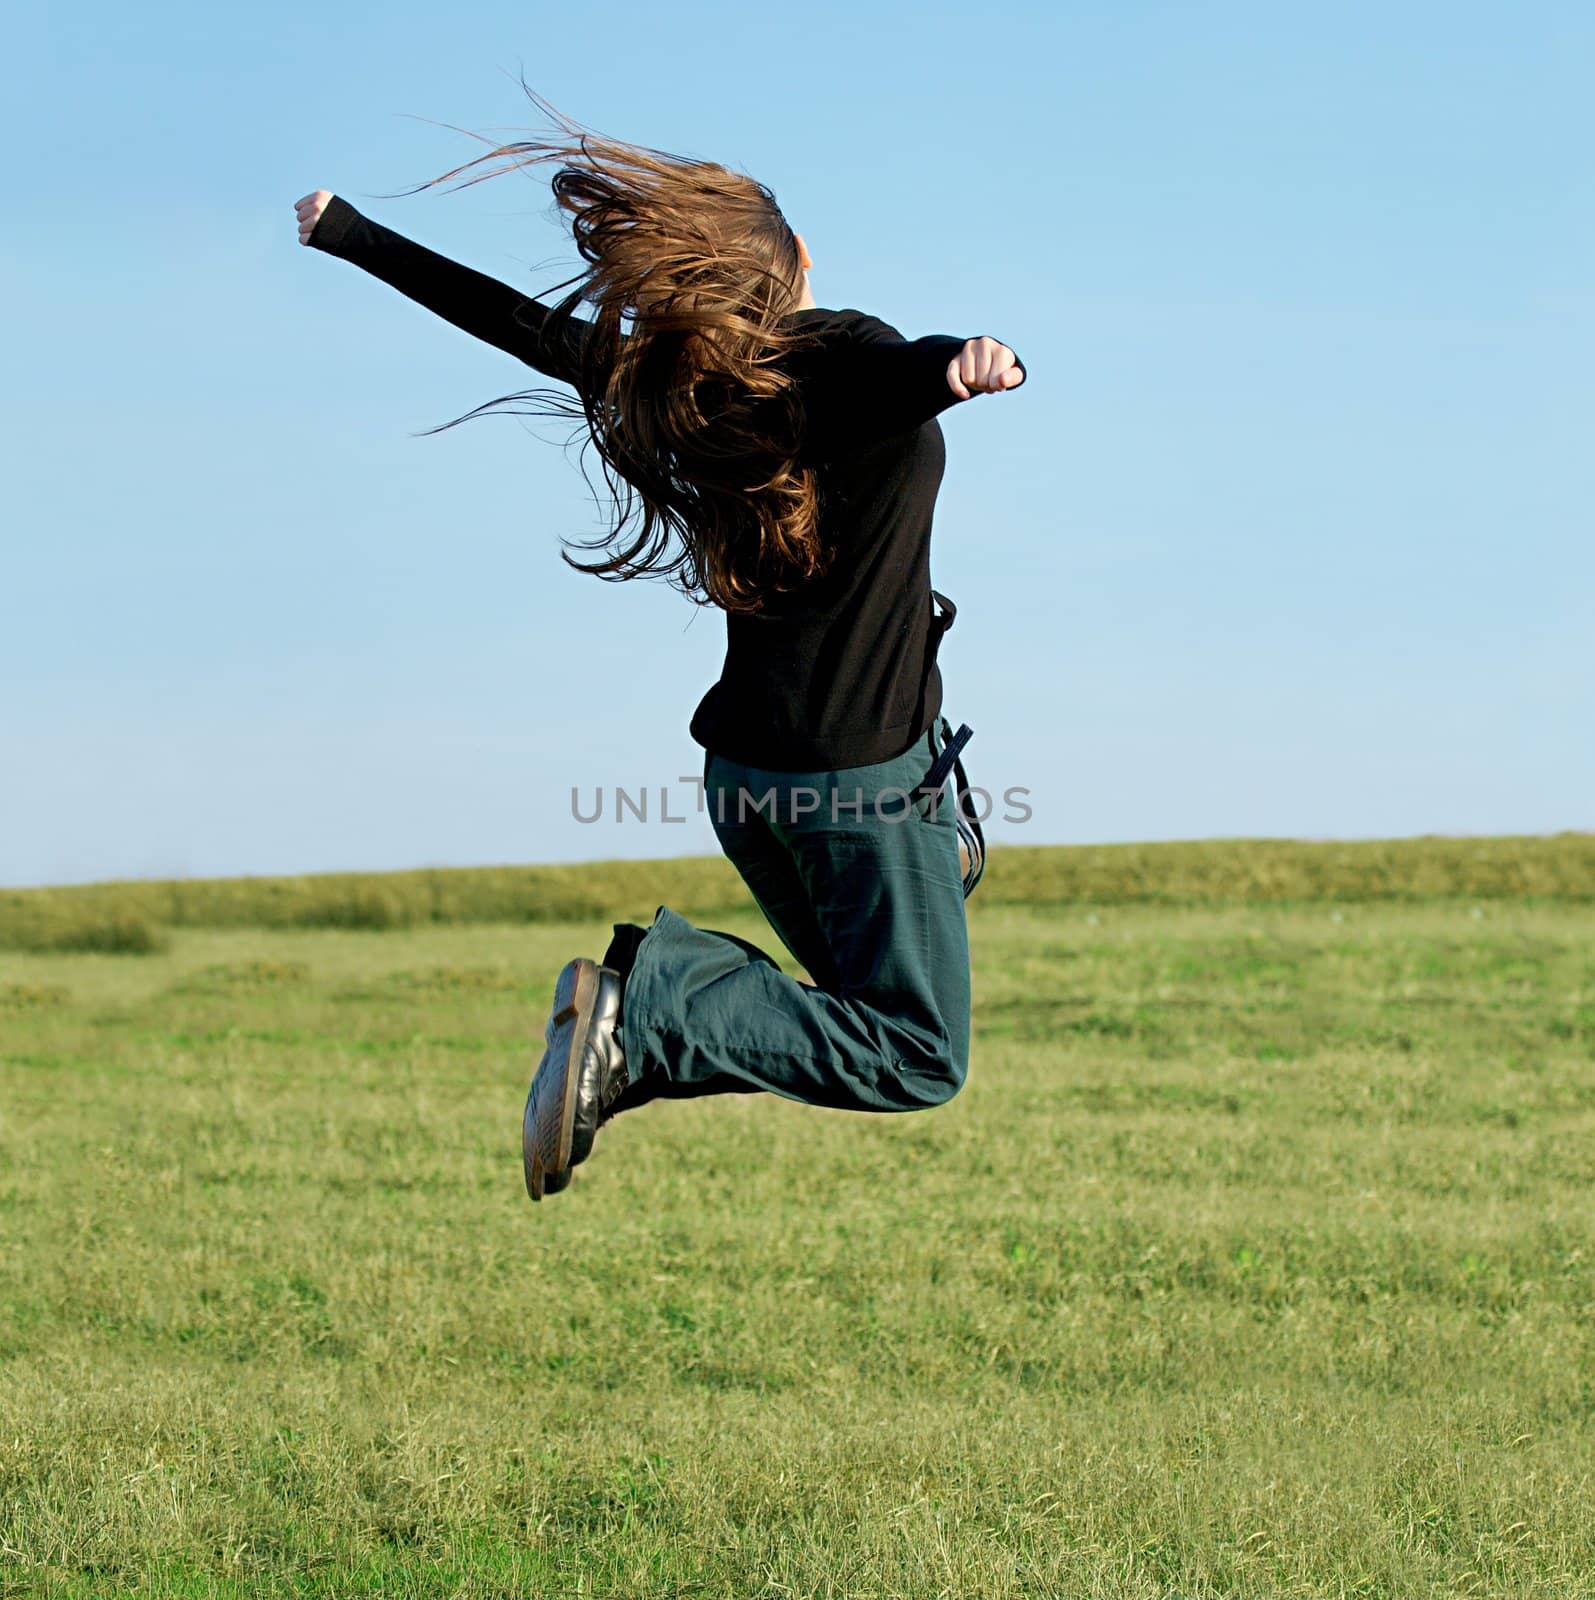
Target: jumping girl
[782,461]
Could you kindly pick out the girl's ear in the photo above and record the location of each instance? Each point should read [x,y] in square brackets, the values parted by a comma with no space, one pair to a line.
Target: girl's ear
[804,259]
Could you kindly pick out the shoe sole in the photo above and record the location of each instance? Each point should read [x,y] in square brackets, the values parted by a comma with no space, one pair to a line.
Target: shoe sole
[551,1100]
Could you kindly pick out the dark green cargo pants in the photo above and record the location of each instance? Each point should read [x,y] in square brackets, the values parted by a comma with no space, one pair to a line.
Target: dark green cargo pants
[861,881]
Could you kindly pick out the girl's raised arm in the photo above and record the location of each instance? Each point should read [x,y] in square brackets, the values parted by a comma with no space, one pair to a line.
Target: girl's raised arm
[479,305]
[875,383]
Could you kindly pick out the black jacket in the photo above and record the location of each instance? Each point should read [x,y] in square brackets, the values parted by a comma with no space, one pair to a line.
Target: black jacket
[841,672]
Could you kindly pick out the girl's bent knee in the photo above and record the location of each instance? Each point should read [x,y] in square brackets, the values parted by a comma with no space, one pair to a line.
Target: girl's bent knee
[941,1076]
[950,1084]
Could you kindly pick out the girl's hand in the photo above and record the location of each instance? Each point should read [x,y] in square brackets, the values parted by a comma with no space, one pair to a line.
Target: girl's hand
[984,367]
[310,209]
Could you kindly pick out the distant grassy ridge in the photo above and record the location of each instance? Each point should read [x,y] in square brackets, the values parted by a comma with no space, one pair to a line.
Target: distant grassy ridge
[132,916]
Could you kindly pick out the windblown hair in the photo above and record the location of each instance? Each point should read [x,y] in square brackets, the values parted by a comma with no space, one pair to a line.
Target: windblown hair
[696,424]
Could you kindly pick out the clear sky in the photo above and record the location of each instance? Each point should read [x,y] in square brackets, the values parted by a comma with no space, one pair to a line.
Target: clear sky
[1288,533]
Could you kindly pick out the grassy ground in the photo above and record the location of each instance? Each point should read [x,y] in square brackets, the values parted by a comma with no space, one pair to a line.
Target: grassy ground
[1257,1259]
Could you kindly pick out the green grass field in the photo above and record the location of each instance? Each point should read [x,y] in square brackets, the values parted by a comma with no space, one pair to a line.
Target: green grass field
[1256,1259]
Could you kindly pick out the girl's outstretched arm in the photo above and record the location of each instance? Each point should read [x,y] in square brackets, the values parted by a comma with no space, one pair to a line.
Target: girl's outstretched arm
[482,306]
[875,383]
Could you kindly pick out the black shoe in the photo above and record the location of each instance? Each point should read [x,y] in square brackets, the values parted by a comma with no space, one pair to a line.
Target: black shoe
[582,1070]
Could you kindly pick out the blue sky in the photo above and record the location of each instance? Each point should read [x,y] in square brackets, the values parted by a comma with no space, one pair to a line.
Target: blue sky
[1289,532]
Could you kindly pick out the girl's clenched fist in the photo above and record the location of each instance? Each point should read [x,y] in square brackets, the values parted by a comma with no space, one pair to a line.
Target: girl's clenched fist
[984,367]
[310,209]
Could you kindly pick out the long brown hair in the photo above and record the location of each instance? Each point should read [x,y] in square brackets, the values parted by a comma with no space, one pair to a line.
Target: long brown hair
[695,422]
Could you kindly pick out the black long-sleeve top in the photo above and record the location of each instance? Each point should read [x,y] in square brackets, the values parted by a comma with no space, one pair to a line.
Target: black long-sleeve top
[839,672]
